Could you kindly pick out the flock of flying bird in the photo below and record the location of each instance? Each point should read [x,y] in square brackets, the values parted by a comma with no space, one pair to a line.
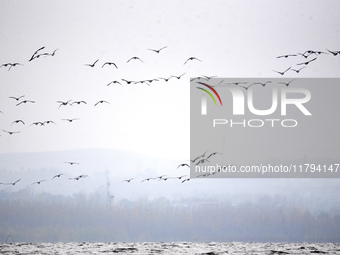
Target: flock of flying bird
[22,100]
[198,160]
[147,81]
[35,55]
[55,176]
[242,84]
[307,57]
[139,59]
[43,123]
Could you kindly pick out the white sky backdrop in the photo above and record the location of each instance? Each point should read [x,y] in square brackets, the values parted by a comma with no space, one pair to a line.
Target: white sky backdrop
[232,38]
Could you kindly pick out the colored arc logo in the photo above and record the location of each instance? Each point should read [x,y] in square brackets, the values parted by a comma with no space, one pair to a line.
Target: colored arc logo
[213,90]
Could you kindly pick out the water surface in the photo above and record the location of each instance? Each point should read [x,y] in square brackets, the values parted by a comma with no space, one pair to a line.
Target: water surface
[170,248]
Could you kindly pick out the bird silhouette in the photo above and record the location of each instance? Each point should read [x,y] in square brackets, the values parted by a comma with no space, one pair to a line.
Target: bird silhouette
[186,180]
[134,58]
[201,156]
[183,165]
[286,83]
[179,177]
[110,63]
[49,122]
[17,98]
[307,62]
[213,154]
[11,65]
[128,82]
[307,53]
[159,177]
[38,182]
[62,103]
[286,56]
[35,53]
[72,163]
[48,54]
[263,83]
[196,78]
[101,102]
[53,53]
[202,161]
[143,82]
[71,120]
[178,77]
[18,121]
[114,82]
[37,123]
[92,65]
[166,178]
[74,178]
[12,183]
[78,102]
[192,58]
[79,177]
[222,80]
[5,65]
[237,83]
[152,80]
[282,73]
[321,52]
[203,175]
[128,180]
[14,64]
[148,179]
[298,70]
[25,102]
[334,53]
[57,176]
[11,132]
[207,78]
[247,87]
[157,51]
[166,79]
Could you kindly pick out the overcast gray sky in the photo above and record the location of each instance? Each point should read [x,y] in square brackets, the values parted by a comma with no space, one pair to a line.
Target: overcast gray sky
[231,38]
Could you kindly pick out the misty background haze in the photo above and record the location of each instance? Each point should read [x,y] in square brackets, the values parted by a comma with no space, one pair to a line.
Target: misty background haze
[144,130]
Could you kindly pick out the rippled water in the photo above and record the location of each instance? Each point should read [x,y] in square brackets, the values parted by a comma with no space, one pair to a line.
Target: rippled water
[170,248]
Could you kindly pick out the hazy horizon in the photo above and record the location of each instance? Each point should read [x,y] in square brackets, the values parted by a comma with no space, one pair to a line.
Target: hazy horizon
[73,90]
